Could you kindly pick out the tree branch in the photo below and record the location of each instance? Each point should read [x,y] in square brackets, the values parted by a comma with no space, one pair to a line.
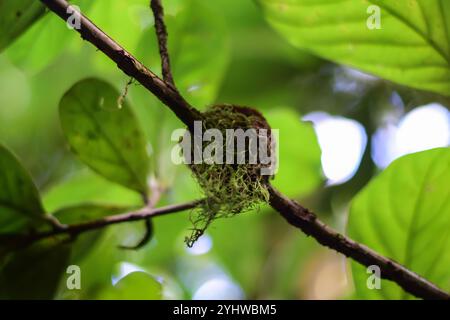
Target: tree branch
[161,34]
[307,221]
[295,214]
[20,241]
[129,64]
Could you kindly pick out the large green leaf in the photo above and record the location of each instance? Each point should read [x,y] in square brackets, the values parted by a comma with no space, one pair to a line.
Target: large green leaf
[299,171]
[404,214]
[20,204]
[411,48]
[104,135]
[34,273]
[16,17]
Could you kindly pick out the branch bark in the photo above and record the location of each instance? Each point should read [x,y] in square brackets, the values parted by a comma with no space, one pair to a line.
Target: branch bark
[295,214]
[161,34]
[20,241]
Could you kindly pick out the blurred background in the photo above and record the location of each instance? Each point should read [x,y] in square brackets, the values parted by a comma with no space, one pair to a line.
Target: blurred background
[338,128]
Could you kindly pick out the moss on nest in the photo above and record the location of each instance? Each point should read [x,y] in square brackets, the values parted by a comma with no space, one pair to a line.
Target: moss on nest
[229,188]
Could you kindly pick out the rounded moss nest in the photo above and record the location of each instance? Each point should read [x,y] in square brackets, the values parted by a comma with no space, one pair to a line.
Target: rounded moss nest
[230,187]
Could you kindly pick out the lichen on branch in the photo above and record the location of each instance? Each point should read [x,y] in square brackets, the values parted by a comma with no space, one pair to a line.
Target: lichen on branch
[232,186]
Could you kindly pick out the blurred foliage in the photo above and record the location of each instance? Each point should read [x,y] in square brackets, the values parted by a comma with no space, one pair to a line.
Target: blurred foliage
[136,285]
[34,273]
[16,17]
[19,200]
[299,154]
[222,51]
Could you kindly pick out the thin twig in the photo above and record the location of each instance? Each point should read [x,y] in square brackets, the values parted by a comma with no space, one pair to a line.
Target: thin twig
[124,94]
[20,241]
[292,211]
[161,34]
[155,195]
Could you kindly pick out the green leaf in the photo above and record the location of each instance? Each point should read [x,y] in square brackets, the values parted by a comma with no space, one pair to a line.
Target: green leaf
[16,17]
[35,272]
[299,171]
[411,48]
[404,214]
[105,136]
[20,204]
[134,286]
